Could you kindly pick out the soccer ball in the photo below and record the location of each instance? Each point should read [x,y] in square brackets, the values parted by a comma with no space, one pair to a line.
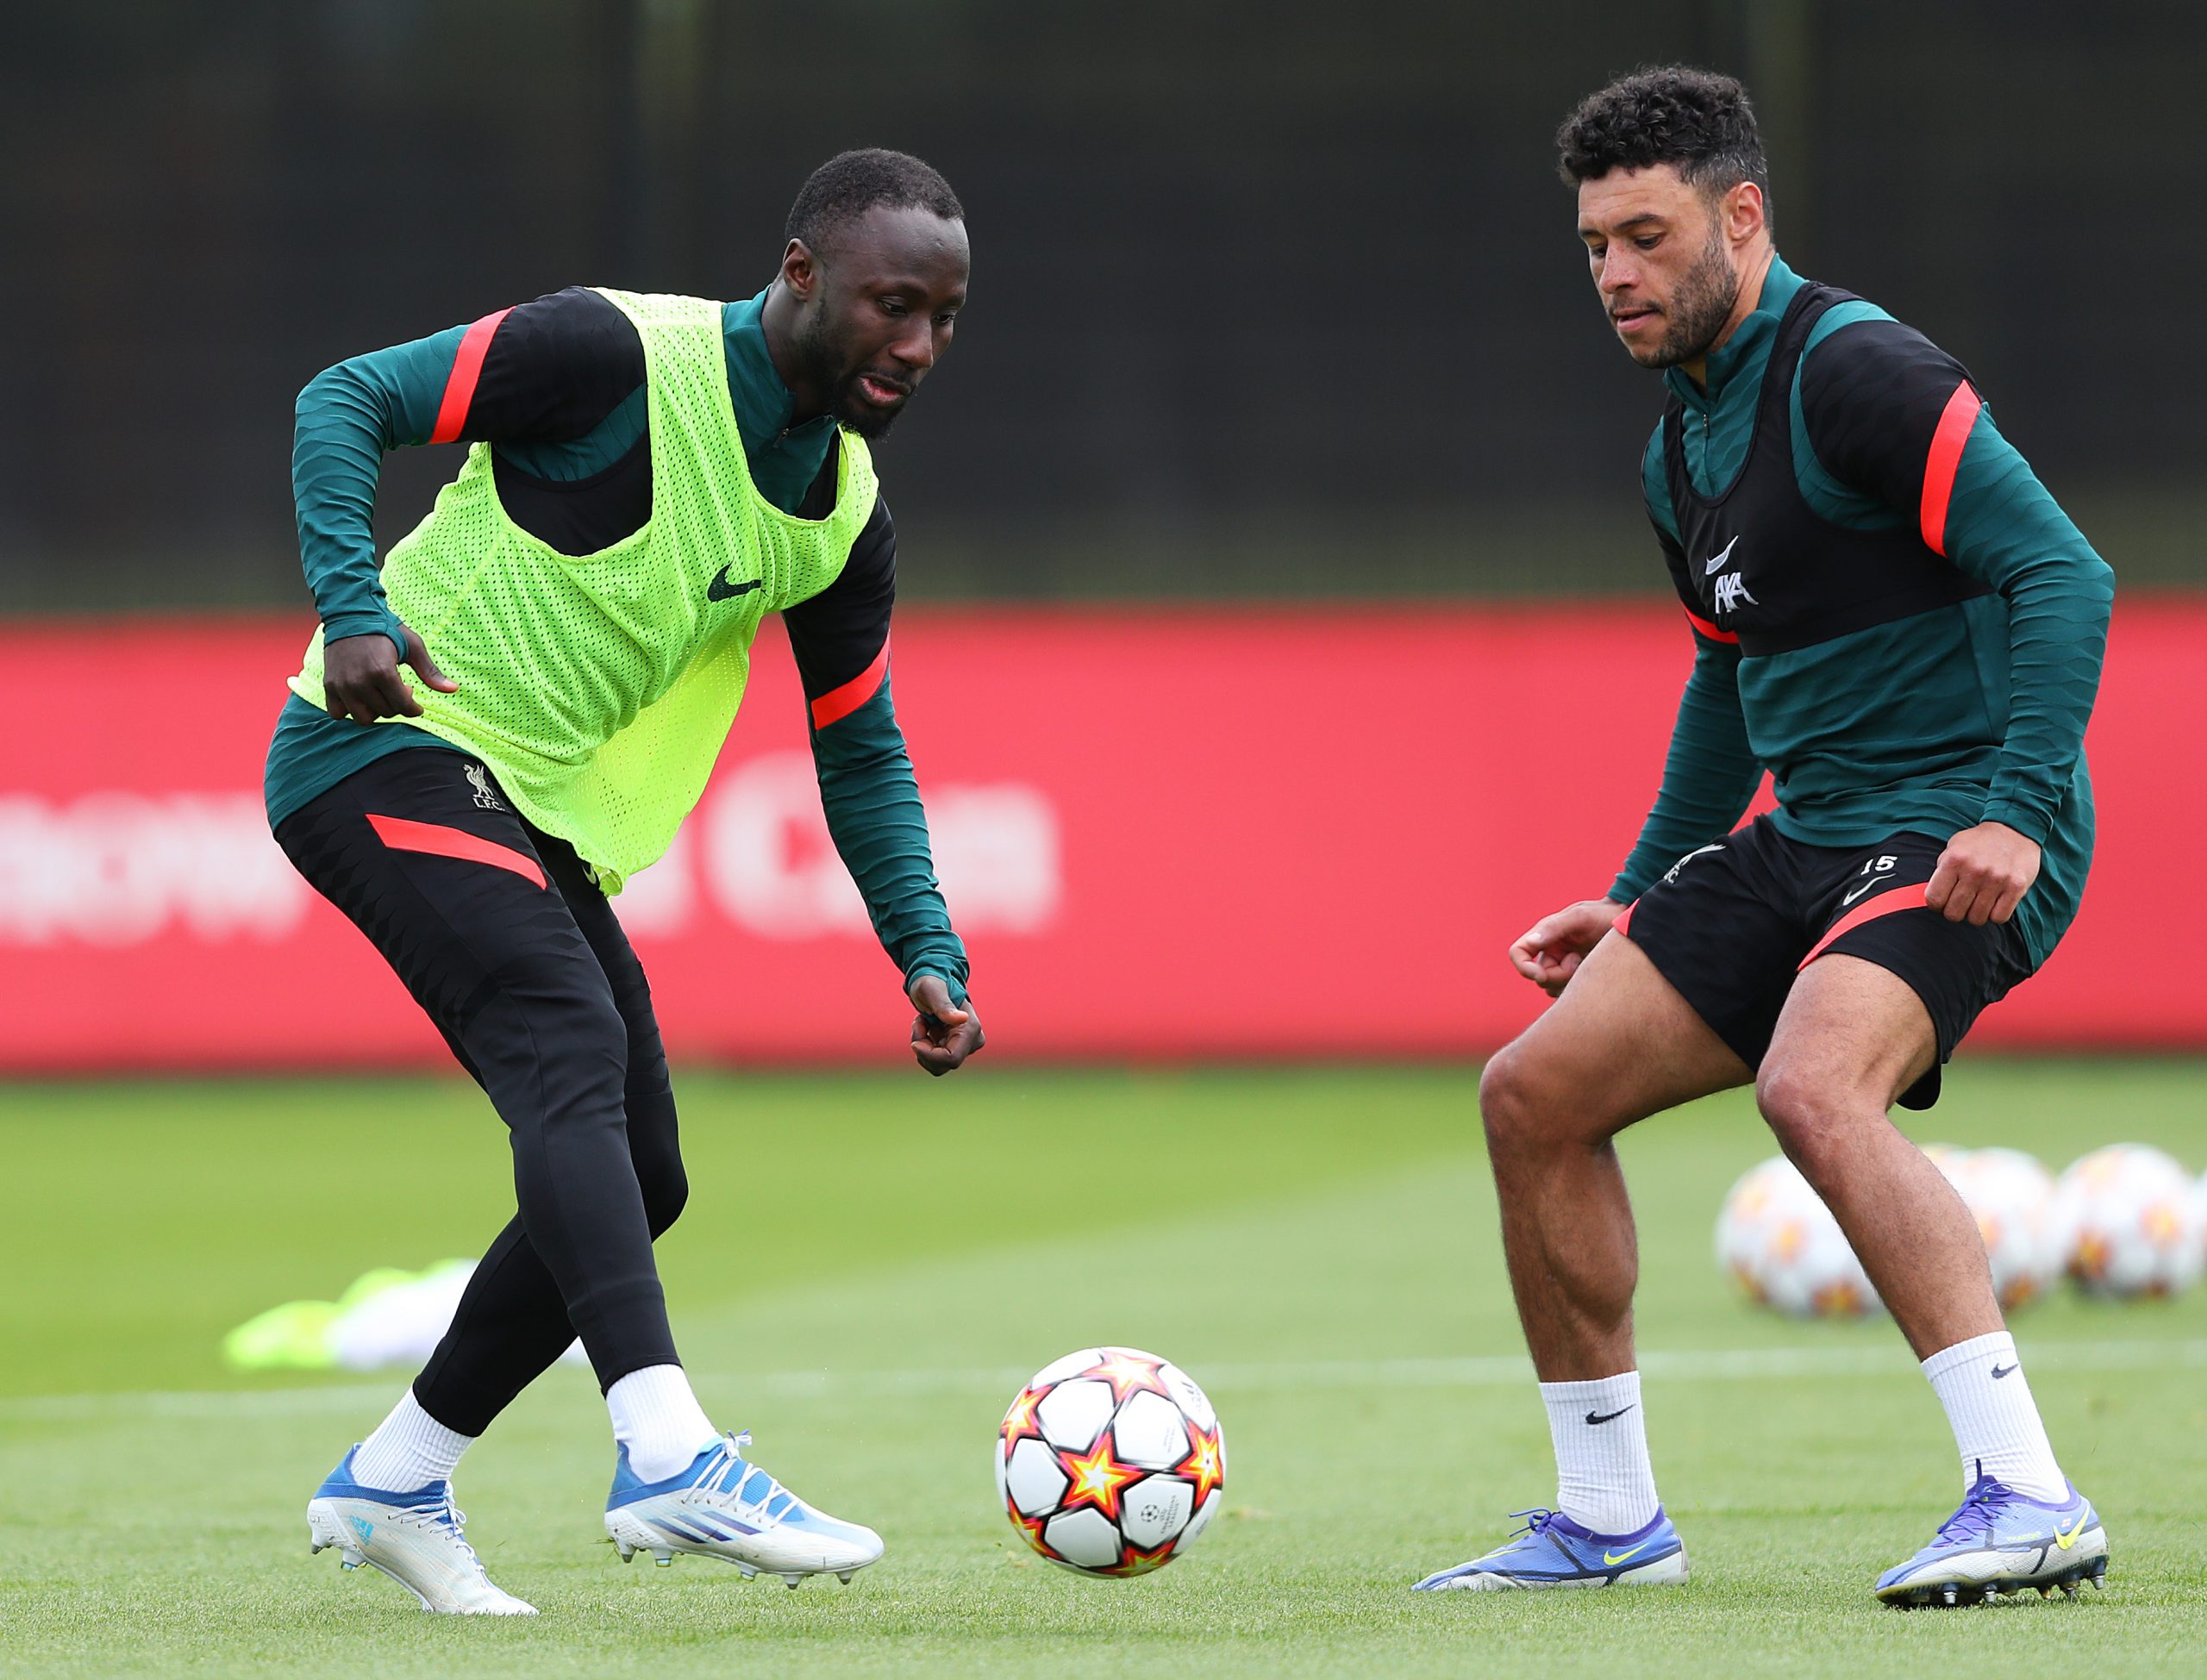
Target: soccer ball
[2010,1196]
[2133,1220]
[1111,1462]
[1776,1238]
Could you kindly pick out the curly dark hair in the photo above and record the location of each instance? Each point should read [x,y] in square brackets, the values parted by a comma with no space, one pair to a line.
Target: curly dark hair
[850,184]
[1696,120]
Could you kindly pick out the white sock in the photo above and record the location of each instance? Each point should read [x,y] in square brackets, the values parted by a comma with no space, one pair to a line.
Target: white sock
[1988,1401]
[409,1450]
[1603,1480]
[659,1420]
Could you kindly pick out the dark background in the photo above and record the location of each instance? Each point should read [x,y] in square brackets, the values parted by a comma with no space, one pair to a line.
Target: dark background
[1278,299]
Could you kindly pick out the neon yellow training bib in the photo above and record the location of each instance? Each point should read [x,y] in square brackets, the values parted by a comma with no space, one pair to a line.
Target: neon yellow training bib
[599,687]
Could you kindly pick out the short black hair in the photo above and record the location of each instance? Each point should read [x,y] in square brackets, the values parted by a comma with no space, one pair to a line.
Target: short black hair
[850,184]
[1698,122]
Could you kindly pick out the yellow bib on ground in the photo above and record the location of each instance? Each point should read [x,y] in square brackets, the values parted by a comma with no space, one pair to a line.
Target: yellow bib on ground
[599,687]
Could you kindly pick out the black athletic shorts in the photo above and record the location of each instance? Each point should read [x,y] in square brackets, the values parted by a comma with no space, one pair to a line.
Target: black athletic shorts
[1731,925]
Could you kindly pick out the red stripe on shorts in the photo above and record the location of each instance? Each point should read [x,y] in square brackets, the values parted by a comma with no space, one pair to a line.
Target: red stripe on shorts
[401,834]
[1625,916]
[1946,460]
[466,369]
[1888,903]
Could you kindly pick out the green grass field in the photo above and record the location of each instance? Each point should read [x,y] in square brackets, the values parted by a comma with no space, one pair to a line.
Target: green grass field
[1318,1247]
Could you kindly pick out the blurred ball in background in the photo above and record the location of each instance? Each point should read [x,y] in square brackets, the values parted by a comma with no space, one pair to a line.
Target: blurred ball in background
[2126,1221]
[1779,1241]
[2011,1195]
[2132,1219]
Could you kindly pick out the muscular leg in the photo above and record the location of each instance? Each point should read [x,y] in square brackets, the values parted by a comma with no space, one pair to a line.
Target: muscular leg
[512,1322]
[1619,1045]
[498,963]
[1852,1038]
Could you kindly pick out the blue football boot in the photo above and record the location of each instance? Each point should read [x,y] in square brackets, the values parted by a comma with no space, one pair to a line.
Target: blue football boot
[722,1506]
[1553,1551]
[1997,1542]
[417,1539]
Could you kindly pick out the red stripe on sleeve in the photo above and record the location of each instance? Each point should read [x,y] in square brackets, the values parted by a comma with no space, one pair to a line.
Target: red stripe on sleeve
[466,369]
[1944,460]
[1708,629]
[403,835]
[841,703]
[1888,903]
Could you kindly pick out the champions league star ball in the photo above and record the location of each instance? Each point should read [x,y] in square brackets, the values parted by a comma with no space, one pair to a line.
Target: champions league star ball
[2132,1219]
[2010,1196]
[1779,1242]
[1111,1462]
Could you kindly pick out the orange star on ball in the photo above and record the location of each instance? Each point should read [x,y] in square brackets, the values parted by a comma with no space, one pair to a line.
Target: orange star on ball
[1031,1528]
[1019,1422]
[1133,1560]
[1097,1477]
[1205,1465]
[1127,1372]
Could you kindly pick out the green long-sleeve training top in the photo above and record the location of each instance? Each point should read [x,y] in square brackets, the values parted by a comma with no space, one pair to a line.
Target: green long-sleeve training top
[559,393]
[1969,712]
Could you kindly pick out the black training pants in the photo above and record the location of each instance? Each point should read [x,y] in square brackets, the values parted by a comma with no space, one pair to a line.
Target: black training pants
[496,930]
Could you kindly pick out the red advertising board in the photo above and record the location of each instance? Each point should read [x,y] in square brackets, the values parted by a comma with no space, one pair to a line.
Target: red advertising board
[1234,833]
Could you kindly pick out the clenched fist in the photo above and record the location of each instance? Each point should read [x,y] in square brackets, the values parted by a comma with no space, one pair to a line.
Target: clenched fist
[1982,874]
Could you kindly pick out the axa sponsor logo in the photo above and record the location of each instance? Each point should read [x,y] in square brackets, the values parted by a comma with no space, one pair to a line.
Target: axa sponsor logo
[1731,590]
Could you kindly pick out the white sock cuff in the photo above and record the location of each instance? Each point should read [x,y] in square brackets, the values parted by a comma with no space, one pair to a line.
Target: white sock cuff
[1998,1431]
[1603,1480]
[409,1449]
[2000,1345]
[657,1417]
[1599,1393]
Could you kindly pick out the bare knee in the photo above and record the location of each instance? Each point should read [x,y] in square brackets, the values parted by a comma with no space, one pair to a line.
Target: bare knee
[1517,1104]
[1811,1114]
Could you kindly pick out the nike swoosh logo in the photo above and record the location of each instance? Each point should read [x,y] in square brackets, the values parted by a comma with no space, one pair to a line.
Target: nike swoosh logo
[2000,1371]
[721,589]
[1710,568]
[1868,886]
[2065,1541]
[1611,1560]
[1606,1417]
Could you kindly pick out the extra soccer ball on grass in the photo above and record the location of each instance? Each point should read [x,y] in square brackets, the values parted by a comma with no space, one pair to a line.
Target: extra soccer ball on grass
[1779,1242]
[2011,1195]
[1111,1462]
[2132,1219]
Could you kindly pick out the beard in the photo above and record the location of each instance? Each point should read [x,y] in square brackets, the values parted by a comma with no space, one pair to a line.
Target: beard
[1700,308]
[825,360]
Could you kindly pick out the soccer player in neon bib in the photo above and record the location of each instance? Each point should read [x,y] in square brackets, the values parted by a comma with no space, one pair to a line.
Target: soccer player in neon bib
[649,476]
[1890,615]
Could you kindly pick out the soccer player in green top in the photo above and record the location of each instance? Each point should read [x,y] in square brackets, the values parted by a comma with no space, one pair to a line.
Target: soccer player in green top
[649,476]
[1890,615]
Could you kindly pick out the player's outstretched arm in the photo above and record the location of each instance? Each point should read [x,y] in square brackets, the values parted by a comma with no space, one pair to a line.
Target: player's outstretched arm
[1710,772]
[870,796]
[1549,951]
